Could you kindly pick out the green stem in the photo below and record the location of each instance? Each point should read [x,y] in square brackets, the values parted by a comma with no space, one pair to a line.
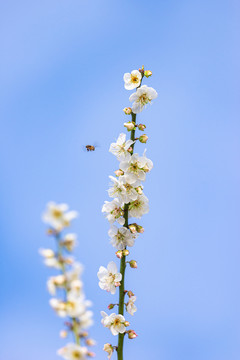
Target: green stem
[63,271]
[123,266]
[76,335]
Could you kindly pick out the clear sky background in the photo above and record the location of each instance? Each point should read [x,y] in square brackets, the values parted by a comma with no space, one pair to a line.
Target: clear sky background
[61,68]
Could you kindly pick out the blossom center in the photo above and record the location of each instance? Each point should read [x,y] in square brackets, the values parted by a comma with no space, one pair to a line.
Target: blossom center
[76,355]
[134,79]
[57,213]
[143,99]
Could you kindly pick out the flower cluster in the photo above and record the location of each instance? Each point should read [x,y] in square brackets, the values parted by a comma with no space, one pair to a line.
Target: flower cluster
[128,201]
[66,287]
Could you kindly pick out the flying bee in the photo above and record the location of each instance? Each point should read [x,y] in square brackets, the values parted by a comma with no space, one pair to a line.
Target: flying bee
[90,147]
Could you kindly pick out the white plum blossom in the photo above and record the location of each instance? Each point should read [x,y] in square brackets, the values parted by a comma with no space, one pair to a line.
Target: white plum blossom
[50,259]
[142,97]
[58,216]
[121,237]
[75,305]
[114,211]
[109,278]
[123,190]
[59,306]
[85,321]
[120,148]
[69,241]
[55,282]
[114,322]
[136,168]
[47,253]
[109,349]
[132,80]
[139,207]
[130,306]
[73,352]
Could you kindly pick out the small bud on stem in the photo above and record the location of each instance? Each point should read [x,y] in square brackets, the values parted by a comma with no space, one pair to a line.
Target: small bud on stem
[133,264]
[127,110]
[129,125]
[131,334]
[143,138]
[141,127]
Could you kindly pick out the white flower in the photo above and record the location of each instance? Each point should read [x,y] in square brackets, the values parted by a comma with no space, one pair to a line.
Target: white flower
[142,97]
[85,320]
[72,276]
[109,278]
[136,168]
[123,190]
[114,322]
[69,241]
[130,306]
[59,306]
[58,216]
[132,80]
[120,148]
[109,349]
[114,211]
[55,282]
[47,253]
[49,258]
[73,352]
[75,305]
[139,207]
[121,237]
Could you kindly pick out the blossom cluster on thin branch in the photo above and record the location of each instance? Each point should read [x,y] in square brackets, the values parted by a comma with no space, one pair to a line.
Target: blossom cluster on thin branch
[66,287]
[129,201]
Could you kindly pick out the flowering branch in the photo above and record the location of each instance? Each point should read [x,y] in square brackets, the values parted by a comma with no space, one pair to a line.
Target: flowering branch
[72,305]
[129,201]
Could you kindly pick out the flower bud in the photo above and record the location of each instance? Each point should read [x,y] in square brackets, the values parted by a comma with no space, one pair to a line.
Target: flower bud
[129,125]
[125,252]
[141,127]
[127,110]
[133,228]
[140,229]
[126,323]
[139,190]
[143,138]
[130,293]
[133,264]
[141,70]
[119,254]
[90,342]
[132,334]
[147,73]
[63,334]
[117,283]
[130,149]
[118,172]
[84,334]
[110,306]
[91,354]
[68,261]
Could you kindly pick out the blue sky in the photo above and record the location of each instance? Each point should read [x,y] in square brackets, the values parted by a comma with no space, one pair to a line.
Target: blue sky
[61,69]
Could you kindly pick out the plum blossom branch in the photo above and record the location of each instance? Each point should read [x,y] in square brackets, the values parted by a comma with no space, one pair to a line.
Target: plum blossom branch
[129,201]
[66,287]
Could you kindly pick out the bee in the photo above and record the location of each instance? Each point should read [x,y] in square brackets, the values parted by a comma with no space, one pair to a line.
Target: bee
[90,147]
